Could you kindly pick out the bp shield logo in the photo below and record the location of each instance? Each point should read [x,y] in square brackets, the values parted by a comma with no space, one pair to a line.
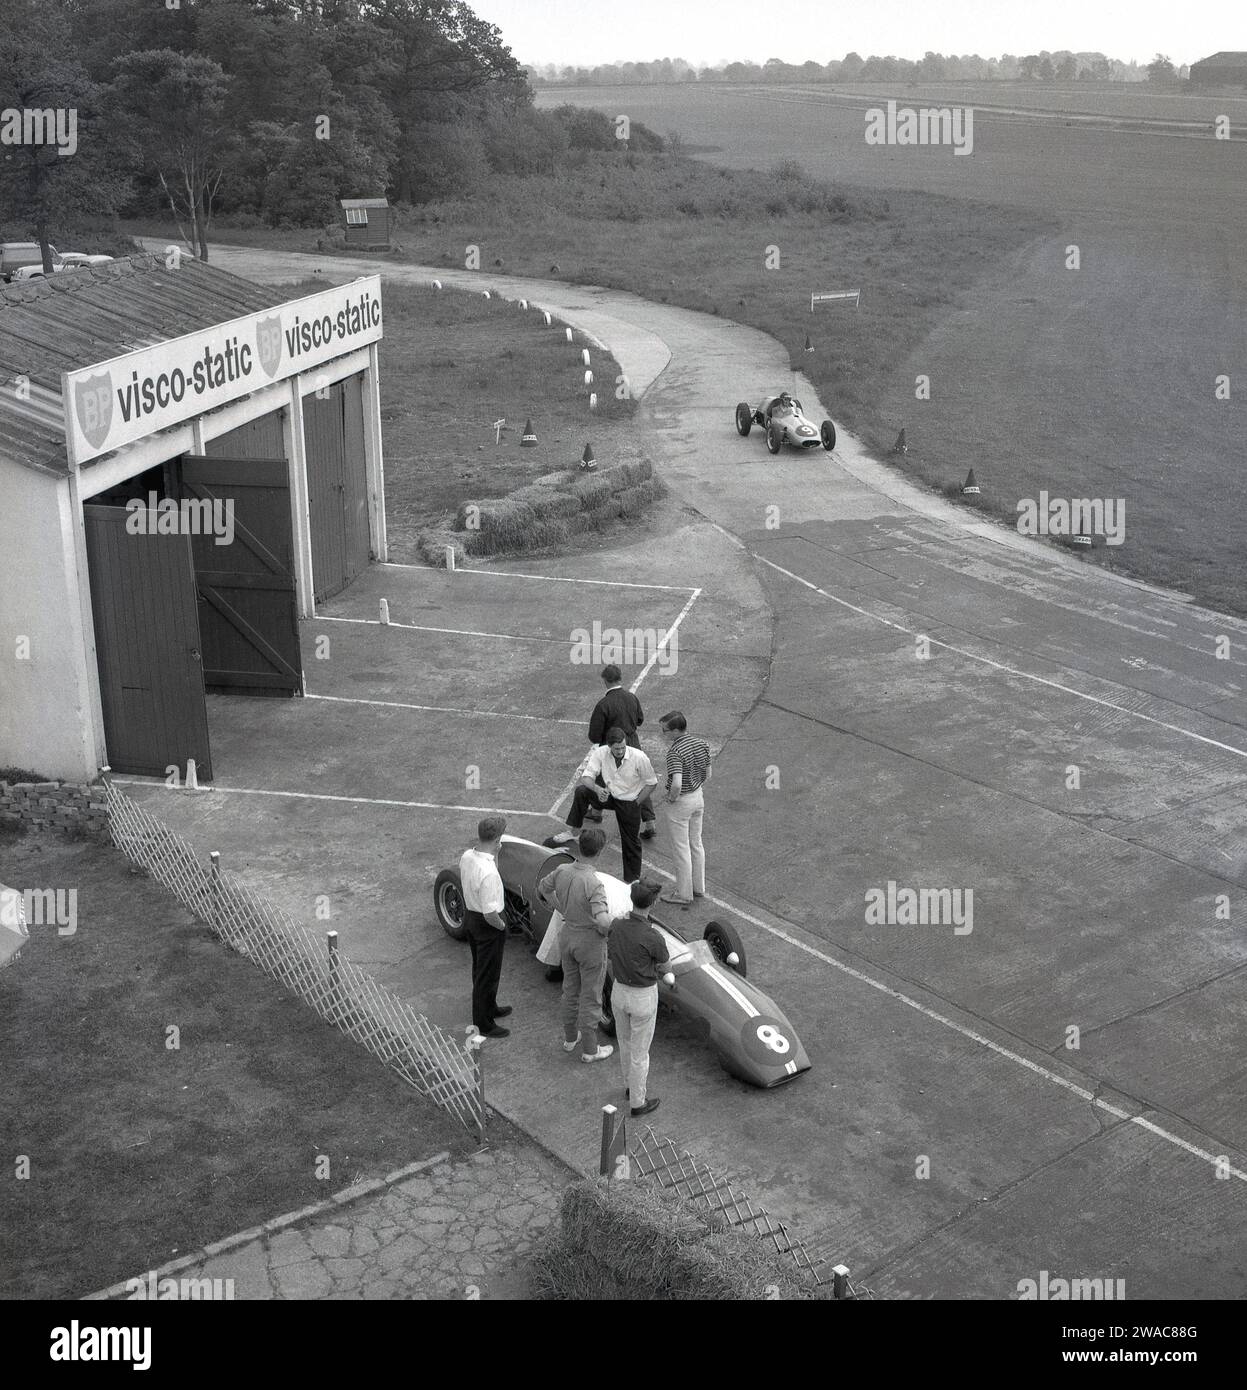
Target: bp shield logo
[268,345]
[93,405]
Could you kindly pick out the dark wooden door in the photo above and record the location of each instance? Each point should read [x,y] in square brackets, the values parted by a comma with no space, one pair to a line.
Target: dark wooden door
[248,615]
[337,488]
[147,644]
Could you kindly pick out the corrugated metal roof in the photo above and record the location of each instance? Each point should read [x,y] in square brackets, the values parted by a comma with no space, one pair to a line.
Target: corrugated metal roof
[88,315]
[1224,59]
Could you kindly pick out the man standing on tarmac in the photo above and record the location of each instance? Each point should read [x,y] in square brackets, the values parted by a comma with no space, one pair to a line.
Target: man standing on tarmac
[577,892]
[483,901]
[619,708]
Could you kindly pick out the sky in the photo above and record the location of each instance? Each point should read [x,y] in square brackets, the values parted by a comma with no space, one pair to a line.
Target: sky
[583,33]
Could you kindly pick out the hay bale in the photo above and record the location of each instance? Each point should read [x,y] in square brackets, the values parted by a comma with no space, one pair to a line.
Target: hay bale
[431,547]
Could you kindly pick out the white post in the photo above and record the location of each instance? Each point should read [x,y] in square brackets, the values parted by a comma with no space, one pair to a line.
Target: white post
[374,460]
[450,558]
[385,611]
[300,508]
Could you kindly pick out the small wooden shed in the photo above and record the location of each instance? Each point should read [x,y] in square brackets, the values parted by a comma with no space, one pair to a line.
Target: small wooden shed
[368,223]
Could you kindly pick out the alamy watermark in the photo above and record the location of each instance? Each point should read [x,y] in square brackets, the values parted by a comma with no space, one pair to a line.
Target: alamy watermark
[1049,1288]
[897,906]
[151,1286]
[929,125]
[629,646]
[189,516]
[1073,516]
[39,907]
[34,126]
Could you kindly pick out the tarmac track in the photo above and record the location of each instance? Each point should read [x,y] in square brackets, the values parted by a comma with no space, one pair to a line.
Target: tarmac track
[1099,907]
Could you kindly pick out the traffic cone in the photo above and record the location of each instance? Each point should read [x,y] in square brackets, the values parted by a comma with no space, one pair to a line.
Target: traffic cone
[587,461]
[809,346]
[970,488]
[528,440]
[900,447]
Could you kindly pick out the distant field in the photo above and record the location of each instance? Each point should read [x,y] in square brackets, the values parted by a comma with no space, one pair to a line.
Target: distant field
[1095,382]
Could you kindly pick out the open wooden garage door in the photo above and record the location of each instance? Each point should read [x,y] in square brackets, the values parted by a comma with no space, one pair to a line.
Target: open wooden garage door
[337,486]
[147,644]
[248,616]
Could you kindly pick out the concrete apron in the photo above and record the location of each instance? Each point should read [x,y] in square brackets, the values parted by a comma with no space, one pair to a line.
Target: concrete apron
[1095,909]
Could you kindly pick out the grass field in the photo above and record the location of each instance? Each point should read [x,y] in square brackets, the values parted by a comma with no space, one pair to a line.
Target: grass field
[1096,382]
[453,363]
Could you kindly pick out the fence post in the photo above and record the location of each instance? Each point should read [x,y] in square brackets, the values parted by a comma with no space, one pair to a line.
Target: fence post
[215,858]
[614,1161]
[474,1045]
[840,1281]
[335,978]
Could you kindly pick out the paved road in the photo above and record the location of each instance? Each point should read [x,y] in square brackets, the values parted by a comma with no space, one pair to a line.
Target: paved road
[948,706]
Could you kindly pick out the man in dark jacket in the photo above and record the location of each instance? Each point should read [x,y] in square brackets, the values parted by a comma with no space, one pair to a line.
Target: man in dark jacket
[619,708]
[638,955]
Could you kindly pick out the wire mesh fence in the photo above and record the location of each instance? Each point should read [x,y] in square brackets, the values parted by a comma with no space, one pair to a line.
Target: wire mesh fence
[424,1055]
[658,1158]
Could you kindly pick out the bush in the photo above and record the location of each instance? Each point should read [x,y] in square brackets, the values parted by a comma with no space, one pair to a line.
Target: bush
[635,1240]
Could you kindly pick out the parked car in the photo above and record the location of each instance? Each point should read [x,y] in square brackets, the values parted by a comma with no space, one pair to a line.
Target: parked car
[753,1039]
[18,255]
[69,258]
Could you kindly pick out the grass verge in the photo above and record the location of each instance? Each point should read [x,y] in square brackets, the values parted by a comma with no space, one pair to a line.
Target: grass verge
[140,1150]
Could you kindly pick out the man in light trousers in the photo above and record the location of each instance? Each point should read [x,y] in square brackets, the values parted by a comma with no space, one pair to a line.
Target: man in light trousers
[637,955]
[577,892]
[688,770]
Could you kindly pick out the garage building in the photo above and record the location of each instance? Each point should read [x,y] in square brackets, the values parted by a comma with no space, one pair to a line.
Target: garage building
[188,463]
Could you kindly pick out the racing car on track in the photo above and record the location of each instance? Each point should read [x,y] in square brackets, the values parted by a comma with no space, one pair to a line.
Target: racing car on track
[785,423]
[754,1040]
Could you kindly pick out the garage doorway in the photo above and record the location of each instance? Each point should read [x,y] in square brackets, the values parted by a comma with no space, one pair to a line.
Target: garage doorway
[337,485]
[144,607]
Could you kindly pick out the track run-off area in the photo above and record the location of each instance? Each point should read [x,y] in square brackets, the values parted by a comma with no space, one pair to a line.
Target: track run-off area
[898,694]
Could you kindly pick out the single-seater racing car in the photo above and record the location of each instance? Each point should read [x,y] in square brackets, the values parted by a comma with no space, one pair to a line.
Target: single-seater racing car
[785,423]
[752,1037]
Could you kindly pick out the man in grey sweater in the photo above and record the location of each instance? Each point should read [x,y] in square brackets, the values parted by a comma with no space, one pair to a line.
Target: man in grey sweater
[578,894]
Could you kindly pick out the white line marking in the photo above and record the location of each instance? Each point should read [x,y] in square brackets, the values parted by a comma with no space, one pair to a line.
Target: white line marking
[666,638]
[1008,670]
[322,796]
[443,709]
[645,670]
[554,578]
[449,631]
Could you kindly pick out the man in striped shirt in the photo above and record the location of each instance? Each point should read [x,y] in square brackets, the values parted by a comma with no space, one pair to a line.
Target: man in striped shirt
[688,770]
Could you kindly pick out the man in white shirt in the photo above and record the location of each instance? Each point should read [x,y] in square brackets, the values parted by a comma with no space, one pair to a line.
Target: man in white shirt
[483,901]
[630,780]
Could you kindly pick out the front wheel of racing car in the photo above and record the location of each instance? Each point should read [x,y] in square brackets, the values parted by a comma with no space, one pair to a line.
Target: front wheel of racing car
[828,435]
[774,438]
[448,902]
[724,941]
[744,418]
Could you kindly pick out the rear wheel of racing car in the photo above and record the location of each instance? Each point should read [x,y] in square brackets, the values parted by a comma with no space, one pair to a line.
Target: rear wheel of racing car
[774,438]
[724,940]
[744,418]
[448,900]
[828,433]
[607,1024]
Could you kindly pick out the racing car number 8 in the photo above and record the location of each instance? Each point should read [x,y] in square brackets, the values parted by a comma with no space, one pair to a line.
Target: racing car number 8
[770,1036]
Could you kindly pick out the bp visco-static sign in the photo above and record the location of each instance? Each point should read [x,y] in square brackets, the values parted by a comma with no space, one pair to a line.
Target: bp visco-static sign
[135,395]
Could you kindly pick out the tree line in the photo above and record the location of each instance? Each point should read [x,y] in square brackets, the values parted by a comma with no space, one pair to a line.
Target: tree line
[1062,66]
[264,109]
